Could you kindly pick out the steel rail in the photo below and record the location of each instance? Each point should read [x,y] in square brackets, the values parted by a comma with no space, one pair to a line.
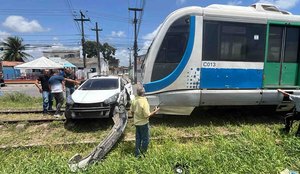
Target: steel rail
[45,120]
[3,112]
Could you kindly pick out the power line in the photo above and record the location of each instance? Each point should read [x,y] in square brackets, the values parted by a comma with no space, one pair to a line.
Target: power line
[62,12]
[141,15]
[106,15]
[69,3]
[82,19]
[67,35]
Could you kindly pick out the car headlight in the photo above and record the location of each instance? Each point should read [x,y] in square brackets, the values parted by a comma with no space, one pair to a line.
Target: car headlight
[112,99]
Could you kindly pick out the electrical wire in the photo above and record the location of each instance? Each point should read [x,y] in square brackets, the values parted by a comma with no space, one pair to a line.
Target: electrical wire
[69,4]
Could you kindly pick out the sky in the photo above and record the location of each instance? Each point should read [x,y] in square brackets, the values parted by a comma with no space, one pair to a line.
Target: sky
[49,24]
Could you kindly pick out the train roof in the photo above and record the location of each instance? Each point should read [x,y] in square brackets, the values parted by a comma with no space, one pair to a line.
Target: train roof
[258,7]
[256,13]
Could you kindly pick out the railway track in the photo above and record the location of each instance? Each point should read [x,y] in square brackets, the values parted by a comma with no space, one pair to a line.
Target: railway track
[3,112]
[44,120]
[30,120]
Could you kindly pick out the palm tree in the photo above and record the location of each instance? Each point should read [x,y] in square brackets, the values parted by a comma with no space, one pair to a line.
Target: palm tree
[14,49]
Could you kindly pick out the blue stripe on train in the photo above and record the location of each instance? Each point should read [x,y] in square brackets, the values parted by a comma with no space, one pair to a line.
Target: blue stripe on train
[231,78]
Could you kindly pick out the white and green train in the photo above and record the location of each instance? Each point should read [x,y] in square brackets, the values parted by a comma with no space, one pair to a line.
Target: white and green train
[223,55]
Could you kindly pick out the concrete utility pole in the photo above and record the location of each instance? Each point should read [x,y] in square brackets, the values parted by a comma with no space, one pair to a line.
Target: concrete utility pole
[129,67]
[98,45]
[135,46]
[82,19]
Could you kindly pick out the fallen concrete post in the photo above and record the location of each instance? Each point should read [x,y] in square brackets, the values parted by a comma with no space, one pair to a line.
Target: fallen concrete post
[120,119]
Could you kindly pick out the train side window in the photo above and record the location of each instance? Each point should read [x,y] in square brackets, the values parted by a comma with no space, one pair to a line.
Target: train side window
[172,49]
[292,45]
[211,41]
[230,41]
[256,42]
[233,42]
[275,42]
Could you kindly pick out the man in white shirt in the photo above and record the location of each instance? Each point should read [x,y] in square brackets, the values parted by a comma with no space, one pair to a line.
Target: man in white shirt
[57,87]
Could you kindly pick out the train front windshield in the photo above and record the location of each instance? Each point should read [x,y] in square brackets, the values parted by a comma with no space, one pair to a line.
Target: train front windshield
[172,48]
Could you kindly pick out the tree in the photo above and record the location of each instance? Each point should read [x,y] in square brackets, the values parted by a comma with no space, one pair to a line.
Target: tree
[107,51]
[14,49]
[91,48]
[114,62]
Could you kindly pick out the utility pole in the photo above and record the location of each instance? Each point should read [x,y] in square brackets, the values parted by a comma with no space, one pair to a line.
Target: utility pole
[98,46]
[135,46]
[129,67]
[82,19]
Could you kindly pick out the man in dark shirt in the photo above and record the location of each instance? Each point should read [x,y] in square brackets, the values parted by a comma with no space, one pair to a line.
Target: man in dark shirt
[44,90]
[70,86]
[294,115]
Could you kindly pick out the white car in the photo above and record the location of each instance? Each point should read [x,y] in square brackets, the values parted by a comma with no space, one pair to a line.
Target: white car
[97,97]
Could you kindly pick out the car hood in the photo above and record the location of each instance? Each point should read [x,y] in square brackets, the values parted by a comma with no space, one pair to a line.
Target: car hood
[92,96]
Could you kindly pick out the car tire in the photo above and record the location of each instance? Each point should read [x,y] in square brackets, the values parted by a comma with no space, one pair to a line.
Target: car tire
[68,113]
[69,119]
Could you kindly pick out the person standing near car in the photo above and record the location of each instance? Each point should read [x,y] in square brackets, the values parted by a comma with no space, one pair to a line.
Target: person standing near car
[57,87]
[140,110]
[70,86]
[45,90]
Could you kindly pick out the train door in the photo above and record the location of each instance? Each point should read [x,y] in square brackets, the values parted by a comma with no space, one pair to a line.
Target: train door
[282,56]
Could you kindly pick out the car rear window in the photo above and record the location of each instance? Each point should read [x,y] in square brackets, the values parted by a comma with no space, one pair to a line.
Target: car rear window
[100,84]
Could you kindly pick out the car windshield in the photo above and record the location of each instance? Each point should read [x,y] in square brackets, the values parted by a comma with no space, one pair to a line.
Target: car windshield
[100,84]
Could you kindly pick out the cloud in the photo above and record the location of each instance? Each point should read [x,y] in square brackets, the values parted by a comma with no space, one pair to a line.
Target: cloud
[123,56]
[37,52]
[284,4]
[235,2]
[180,2]
[151,35]
[4,35]
[22,25]
[118,34]
[148,40]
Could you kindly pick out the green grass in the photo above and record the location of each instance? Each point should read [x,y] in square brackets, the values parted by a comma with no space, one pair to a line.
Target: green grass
[241,154]
[17,101]
[54,133]
[256,147]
